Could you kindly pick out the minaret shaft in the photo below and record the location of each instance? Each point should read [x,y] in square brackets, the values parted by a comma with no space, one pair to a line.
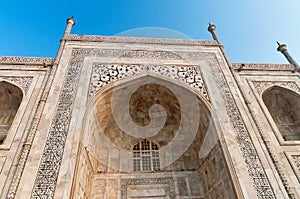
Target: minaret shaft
[70,24]
[212,29]
[283,49]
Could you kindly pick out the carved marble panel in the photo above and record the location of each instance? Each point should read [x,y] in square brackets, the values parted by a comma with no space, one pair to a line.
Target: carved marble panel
[168,190]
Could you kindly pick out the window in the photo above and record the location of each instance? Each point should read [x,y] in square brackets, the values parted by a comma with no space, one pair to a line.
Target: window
[284,107]
[146,156]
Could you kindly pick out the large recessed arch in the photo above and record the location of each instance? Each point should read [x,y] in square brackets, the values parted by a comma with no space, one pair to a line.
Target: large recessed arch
[10,100]
[284,107]
[106,148]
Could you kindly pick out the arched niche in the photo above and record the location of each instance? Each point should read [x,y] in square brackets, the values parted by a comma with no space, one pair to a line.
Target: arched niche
[189,150]
[284,107]
[10,100]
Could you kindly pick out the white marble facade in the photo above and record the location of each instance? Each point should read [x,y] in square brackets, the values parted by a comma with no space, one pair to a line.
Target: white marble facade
[205,128]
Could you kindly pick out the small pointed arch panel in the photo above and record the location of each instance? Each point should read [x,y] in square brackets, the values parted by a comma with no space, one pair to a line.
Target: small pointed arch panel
[284,107]
[10,100]
[23,82]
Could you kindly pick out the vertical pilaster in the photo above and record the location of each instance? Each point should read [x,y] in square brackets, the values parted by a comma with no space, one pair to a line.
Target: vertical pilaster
[23,156]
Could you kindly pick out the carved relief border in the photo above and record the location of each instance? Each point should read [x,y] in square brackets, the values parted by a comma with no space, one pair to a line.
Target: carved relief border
[104,74]
[260,67]
[294,160]
[48,171]
[98,38]
[23,82]
[170,190]
[273,156]
[260,86]
[255,168]
[26,60]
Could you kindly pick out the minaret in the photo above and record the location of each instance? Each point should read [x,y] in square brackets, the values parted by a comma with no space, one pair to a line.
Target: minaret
[212,29]
[70,24]
[282,48]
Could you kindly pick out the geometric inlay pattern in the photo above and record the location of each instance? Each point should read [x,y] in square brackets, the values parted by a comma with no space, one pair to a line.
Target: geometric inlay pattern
[104,74]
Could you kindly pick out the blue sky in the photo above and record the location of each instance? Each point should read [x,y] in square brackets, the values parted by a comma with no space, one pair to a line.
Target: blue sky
[247,29]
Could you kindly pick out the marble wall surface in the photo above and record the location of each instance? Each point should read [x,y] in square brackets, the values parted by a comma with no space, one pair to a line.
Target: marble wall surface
[221,133]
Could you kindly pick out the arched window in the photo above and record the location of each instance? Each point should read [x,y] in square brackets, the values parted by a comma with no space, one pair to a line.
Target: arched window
[10,99]
[284,107]
[146,156]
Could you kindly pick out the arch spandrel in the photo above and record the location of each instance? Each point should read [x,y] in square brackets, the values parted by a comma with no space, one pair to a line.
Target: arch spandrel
[23,83]
[14,84]
[126,80]
[262,86]
[104,74]
[292,87]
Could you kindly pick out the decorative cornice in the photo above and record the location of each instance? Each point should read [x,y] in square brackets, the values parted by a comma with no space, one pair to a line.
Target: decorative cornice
[96,38]
[255,66]
[25,60]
